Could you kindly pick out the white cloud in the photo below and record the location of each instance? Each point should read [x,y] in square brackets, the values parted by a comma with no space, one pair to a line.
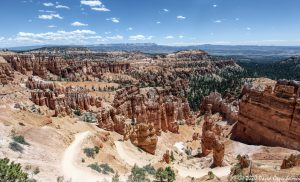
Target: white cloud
[115,20]
[52,26]
[166,10]
[215,5]
[130,28]
[78,24]
[116,37]
[2,38]
[58,37]
[181,17]
[91,2]
[158,22]
[46,11]
[218,21]
[107,33]
[50,16]
[62,7]
[248,28]
[140,37]
[48,4]
[102,8]
[95,5]
[180,36]
[169,37]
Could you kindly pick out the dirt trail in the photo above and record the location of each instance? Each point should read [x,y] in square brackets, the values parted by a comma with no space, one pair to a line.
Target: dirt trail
[73,171]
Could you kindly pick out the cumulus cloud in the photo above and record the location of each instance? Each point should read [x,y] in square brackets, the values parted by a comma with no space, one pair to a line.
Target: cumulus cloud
[95,5]
[51,26]
[91,2]
[78,24]
[116,37]
[50,16]
[58,37]
[48,4]
[248,28]
[181,17]
[158,22]
[102,8]
[165,10]
[180,36]
[215,5]
[130,28]
[218,21]
[115,20]
[169,37]
[62,7]
[46,11]
[140,37]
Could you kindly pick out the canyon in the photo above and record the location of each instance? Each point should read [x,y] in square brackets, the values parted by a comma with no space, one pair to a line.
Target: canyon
[136,109]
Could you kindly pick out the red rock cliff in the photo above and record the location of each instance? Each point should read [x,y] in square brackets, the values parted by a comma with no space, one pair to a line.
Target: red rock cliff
[270,116]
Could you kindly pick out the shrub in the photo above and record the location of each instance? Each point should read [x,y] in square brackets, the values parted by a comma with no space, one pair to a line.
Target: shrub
[77,112]
[137,175]
[95,166]
[115,178]
[149,169]
[165,174]
[89,152]
[82,160]
[16,147]
[106,169]
[36,170]
[160,174]
[102,168]
[96,148]
[172,156]
[188,151]
[211,175]
[170,174]
[10,171]
[20,139]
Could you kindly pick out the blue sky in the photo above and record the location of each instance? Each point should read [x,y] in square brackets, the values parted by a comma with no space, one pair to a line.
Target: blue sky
[170,22]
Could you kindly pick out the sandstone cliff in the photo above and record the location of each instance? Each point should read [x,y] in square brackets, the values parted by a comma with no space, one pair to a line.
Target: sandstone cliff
[6,72]
[150,106]
[270,116]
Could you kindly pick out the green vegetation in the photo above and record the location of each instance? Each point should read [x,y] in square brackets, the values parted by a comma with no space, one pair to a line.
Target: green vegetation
[166,174]
[96,148]
[90,152]
[149,169]
[11,172]
[230,81]
[20,139]
[36,170]
[102,168]
[137,175]
[115,177]
[211,175]
[287,69]
[172,156]
[16,147]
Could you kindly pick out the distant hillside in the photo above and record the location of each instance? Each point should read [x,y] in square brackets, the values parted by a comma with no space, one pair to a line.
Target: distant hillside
[286,69]
[221,50]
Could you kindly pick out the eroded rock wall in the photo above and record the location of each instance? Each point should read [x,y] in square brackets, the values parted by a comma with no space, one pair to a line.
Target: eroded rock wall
[270,116]
[150,106]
